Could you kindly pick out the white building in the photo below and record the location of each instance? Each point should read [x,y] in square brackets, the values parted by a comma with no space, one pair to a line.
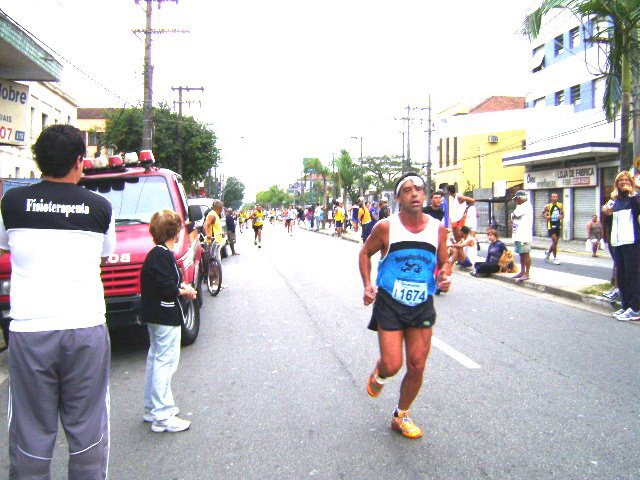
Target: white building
[571,149]
[29,101]
[46,105]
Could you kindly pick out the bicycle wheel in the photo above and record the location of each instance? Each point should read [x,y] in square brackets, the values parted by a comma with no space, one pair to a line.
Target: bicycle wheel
[214,276]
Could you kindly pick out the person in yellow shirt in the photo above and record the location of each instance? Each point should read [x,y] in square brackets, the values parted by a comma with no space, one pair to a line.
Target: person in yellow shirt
[258,221]
[213,224]
[365,220]
[339,217]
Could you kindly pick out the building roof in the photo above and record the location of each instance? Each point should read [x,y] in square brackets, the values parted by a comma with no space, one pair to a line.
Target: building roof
[95,113]
[499,103]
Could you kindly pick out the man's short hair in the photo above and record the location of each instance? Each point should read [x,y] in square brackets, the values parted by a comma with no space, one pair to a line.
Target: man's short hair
[465,229]
[217,203]
[57,150]
[451,188]
[442,186]
[437,192]
[164,225]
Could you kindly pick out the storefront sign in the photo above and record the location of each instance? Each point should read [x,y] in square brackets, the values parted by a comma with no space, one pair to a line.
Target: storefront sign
[14,108]
[584,176]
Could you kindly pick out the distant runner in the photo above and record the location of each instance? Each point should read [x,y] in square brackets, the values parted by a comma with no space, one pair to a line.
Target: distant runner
[554,213]
[411,244]
[258,221]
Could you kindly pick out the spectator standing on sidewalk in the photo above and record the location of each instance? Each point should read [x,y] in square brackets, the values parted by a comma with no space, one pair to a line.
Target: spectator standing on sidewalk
[355,209]
[384,209]
[59,349]
[457,210]
[494,253]
[364,217]
[625,239]
[434,208]
[230,221]
[553,213]
[160,286]
[594,234]
[339,218]
[522,235]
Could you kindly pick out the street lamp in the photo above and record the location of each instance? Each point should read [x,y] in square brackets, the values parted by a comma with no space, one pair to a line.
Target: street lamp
[311,171]
[361,172]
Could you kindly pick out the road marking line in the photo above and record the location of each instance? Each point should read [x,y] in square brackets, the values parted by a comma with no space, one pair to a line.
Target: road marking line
[453,353]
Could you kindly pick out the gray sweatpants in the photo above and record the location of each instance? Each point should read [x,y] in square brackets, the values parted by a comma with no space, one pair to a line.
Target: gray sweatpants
[66,373]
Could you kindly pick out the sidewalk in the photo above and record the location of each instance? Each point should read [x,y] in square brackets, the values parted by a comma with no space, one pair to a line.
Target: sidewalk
[565,285]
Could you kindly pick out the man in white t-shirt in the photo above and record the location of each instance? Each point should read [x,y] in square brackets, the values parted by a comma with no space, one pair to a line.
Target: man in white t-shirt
[457,210]
[522,235]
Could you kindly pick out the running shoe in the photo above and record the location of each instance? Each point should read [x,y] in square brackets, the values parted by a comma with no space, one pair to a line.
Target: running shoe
[628,315]
[405,425]
[610,294]
[170,425]
[556,261]
[618,312]
[374,389]
[146,417]
[547,254]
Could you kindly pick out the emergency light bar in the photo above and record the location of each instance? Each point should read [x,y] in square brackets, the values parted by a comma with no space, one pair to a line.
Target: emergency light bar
[117,162]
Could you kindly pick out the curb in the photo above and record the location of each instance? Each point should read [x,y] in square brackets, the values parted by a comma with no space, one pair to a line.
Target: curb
[539,287]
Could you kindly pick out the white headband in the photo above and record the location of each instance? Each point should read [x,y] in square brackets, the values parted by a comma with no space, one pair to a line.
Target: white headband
[417,181]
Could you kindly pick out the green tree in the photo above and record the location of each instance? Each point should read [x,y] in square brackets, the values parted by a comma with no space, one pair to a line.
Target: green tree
[313,166]
[123,131]
[233,193]
[382,172]
[274,197]
[348,175]
[619,20]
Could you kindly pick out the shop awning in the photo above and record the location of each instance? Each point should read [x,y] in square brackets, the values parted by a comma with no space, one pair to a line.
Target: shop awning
[569,152]
[22,58]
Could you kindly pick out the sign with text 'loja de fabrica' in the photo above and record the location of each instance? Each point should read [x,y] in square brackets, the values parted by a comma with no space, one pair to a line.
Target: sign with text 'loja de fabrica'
[14,108]
[583,176]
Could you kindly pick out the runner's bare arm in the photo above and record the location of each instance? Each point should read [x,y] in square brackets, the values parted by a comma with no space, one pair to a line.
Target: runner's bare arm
[469,200]
[444,276]
[376,242]
[545,212]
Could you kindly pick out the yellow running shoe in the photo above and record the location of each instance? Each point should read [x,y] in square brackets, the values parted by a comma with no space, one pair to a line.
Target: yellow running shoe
[405,425]
[374,389]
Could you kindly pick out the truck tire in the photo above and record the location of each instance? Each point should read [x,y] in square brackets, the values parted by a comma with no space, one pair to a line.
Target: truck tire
[190,321]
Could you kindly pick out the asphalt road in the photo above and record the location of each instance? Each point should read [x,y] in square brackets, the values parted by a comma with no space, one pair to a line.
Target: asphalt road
[519,386]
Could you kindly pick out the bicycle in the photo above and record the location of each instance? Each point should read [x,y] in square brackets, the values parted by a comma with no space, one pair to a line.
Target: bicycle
[213,270]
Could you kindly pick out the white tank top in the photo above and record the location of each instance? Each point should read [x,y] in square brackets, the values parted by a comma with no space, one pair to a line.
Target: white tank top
[399,233]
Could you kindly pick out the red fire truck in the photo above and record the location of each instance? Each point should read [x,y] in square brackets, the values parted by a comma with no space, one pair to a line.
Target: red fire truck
[136,189]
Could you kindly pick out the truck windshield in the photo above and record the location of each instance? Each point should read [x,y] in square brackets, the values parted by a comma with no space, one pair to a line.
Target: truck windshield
[134,199]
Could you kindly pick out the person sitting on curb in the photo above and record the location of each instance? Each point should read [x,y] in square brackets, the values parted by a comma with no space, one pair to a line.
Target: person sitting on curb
[464,251]
[494,253]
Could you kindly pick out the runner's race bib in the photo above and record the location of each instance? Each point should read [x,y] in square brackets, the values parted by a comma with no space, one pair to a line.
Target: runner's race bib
[410,293]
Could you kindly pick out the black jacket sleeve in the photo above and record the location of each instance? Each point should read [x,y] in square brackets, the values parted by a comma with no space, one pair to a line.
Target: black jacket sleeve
[163,273]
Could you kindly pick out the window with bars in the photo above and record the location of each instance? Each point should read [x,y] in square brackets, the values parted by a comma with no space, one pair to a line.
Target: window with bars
[558,45]
[440,152]
[574,37]
[448,162]
[560,97]
[455,150]
[575,95]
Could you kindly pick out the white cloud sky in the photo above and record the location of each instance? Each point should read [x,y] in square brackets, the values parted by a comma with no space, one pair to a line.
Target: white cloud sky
[286,79]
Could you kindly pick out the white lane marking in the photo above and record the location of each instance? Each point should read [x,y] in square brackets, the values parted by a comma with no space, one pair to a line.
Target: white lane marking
[453,353]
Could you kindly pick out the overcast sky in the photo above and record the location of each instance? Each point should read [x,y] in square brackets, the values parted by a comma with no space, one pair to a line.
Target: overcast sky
[288,79]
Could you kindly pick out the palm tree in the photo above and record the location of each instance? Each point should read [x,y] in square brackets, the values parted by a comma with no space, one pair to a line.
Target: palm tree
[622,19]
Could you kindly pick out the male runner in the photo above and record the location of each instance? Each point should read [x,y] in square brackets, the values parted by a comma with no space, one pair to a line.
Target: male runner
[435,209]
[411,244]
[339,215]
[258,219]
[554,213]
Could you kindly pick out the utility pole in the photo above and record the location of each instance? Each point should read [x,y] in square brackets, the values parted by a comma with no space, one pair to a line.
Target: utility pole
[406,162]
[147,105]
[429,153]
[180,102]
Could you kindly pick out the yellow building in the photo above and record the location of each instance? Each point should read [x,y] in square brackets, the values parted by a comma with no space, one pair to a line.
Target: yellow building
[470,146]
[92,122]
